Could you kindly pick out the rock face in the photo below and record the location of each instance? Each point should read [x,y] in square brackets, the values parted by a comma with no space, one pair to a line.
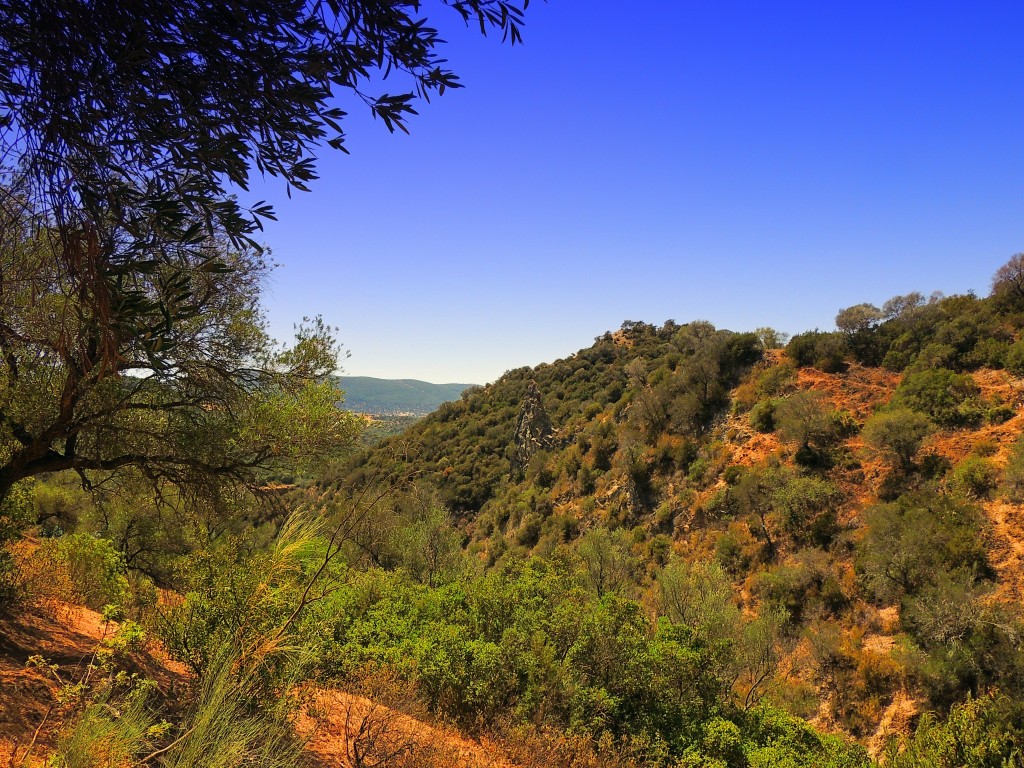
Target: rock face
[533,430]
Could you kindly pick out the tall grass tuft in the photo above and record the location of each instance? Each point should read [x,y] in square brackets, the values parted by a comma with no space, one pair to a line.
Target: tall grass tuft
[241,713]
[105,735]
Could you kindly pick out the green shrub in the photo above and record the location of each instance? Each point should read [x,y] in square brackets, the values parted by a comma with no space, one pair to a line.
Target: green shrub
[775,380]
[1012,487]
[949,399]
[80,568]
[15,514]
[99,738]
[898,432]
[1014,358]
[974,477]
[966,643]
[762,416]
[911,542]
[807,419]
[935,466]
[824,351]
[732,474]
[1000,414]
[731,554]
[986,732]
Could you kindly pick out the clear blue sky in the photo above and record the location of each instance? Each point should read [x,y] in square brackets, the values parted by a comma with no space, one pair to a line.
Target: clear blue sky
[746,163]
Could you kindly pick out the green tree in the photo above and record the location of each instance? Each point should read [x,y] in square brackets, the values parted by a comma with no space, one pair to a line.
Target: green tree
[806,418]
[949,399]
[859,317]
[607,559]
[129,323]
[176,376]
[1008,281]
[898,432]
[140,121]
[769,338]
[912,541]
[698,595]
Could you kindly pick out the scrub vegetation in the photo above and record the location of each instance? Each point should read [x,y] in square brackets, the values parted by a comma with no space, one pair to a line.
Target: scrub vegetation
[681,546]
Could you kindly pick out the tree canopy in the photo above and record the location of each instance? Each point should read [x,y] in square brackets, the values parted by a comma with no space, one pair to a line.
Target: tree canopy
[142,120]
[177,378]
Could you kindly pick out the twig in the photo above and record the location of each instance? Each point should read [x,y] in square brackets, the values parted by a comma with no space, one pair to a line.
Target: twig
[168,748]
[32,744]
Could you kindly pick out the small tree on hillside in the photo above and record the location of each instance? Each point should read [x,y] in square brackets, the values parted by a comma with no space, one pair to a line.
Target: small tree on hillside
[1008,281]
[805,418]
[859,317]
[898,433]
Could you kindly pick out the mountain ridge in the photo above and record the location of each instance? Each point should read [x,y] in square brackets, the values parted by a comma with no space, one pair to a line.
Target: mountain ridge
[412,397]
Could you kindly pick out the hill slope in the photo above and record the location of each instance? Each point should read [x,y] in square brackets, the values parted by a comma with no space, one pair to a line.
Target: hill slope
[896,571]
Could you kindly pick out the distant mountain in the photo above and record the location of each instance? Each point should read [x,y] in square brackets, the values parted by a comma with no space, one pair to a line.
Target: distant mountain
[378,397]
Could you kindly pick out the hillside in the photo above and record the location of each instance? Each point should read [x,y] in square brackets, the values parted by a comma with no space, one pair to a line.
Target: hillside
[862,487]
[681,546]
[396,397]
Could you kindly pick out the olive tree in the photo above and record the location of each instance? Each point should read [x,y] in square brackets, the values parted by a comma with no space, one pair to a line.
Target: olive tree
[130,328]
[141,117]
[175,375]
[898,432]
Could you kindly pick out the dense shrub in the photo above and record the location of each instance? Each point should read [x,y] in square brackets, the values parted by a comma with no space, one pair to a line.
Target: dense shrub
[16,512]
[824,351]
[949,399]
[985,732]
[1012,487]
[899,432]
[77,568]
[910,542]
[974,477]
[762,416]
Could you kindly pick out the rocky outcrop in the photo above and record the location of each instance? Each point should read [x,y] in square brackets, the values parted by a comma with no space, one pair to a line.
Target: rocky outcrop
[533,430]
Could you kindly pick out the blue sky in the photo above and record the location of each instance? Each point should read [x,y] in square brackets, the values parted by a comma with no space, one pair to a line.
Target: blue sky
[746,163]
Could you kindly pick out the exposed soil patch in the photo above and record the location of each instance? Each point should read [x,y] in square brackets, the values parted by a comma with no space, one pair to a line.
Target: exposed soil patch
[858,390]
[340,725]
[66,636]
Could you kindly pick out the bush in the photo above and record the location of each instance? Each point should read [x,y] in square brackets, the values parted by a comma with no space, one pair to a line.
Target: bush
[949,399]
[824,351]
[974,478]
[914,540]
[807,419]
[1013,477]
[762,416]
[980,733]
[898,432]
[1014,359]
[966,643]
[15,515]
[1000,414]
[77,568]
[775,380]
[733,553]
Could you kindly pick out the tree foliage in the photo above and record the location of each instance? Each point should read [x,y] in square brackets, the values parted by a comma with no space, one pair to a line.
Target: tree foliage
[139,122]
[174,374]
[898,432]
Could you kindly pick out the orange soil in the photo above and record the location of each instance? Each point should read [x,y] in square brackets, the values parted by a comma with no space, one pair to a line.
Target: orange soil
[858,390]
[336,723]
[69,636]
